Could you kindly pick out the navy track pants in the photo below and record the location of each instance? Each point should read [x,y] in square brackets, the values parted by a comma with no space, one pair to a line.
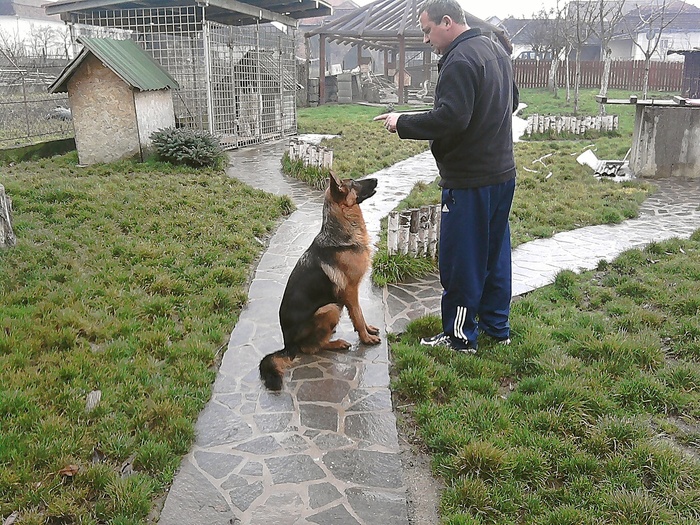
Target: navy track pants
[475,261]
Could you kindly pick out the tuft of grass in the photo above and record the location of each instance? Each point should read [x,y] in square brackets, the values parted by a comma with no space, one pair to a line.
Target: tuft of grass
[362,146]
[595,425]
[126,278]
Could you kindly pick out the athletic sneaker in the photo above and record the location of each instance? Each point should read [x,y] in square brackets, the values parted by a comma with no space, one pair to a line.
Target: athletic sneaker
[504,342]
[442,339]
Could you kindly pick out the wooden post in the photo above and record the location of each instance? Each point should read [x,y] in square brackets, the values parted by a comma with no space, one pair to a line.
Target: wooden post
[413,232]
[386,63]
[7,236]
[423,227]
[427,55]
[322,69]
[402,68]
[307,52]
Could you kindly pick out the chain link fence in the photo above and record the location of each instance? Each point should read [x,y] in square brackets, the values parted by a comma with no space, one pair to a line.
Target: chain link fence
[28,113]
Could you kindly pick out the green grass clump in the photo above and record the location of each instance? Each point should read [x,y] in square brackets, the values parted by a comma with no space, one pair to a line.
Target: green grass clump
[126,278]
[362,146]
[591,415]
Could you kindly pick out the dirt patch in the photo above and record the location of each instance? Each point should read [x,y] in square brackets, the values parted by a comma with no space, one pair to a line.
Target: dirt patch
[423,489]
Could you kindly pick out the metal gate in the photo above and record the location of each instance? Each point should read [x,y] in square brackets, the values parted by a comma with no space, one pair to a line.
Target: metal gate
[237,82]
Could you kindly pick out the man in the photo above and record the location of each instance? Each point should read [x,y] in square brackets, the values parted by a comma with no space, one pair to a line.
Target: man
[470,129]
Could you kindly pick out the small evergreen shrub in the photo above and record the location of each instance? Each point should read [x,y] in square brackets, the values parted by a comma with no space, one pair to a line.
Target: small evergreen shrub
[187,146]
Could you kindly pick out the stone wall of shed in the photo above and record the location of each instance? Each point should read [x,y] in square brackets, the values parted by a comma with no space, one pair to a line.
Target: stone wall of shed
[104,114]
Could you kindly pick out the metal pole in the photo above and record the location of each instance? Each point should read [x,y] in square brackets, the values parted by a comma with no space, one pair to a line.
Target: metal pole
[259,77]
[322,69]
[208,71]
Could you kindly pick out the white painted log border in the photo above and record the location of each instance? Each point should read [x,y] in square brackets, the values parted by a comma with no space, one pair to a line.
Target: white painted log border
[310,154]
[415,231]
[576,125]
[7,236]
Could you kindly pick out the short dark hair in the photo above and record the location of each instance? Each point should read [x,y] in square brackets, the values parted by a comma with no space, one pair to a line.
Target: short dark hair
[437,9]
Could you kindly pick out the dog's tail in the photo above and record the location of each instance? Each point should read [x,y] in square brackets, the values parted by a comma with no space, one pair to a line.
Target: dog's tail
[273,365]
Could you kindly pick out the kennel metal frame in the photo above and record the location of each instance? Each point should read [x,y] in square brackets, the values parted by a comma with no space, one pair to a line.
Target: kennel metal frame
[237,82]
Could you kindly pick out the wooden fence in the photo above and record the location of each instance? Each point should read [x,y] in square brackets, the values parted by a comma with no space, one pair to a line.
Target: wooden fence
[624,74]
[415,231]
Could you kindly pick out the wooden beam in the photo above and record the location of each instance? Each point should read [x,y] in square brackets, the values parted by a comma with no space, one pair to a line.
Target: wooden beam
[53,9]
[250,10]
[402,68]
[322,69]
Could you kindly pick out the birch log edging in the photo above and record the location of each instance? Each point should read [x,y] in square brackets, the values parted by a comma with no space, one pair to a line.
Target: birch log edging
[414,232]
[7,235]
[310,154]
[576,125]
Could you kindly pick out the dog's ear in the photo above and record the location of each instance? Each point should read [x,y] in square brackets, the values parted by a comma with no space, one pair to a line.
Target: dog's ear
[335,185]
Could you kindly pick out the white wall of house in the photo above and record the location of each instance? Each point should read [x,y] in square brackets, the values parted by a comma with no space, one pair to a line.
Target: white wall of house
[626,49]
[36,37]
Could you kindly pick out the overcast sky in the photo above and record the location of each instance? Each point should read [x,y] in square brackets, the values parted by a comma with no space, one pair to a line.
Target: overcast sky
[505,8]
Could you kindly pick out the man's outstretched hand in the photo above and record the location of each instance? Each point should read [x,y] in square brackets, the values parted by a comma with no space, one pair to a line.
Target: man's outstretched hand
[389,120]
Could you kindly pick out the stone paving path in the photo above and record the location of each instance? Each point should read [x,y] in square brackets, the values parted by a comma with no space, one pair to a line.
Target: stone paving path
[325,449]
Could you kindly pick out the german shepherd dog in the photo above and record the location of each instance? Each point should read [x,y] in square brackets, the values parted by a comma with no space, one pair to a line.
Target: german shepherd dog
[326,278]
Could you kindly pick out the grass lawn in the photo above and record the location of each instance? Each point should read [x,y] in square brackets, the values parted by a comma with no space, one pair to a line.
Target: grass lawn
[128,278]
[590,416]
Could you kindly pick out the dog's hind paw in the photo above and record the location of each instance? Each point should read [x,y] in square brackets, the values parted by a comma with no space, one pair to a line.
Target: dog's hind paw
[372,329]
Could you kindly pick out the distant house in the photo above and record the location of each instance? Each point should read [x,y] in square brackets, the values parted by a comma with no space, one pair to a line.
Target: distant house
[526,35]
[26,30]
[683,32]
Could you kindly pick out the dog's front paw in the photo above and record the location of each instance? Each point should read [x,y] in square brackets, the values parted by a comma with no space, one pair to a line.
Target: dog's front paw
[370,339]
[372,329]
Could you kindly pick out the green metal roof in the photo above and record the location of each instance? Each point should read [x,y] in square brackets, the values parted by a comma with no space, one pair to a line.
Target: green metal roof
[125,58]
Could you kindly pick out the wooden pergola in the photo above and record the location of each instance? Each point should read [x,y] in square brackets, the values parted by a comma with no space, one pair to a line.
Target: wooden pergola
[386,25]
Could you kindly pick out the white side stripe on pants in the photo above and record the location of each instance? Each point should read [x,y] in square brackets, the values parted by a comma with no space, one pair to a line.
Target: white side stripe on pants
[459,323]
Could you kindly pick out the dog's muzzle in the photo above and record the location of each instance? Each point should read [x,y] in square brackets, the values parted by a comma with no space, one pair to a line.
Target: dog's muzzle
[367,188]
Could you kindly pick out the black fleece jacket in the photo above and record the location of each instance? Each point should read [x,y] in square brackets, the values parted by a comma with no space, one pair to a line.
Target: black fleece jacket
[470,125]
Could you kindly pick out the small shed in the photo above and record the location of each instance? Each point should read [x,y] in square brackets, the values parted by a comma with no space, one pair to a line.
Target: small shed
[118,96]
[691,72]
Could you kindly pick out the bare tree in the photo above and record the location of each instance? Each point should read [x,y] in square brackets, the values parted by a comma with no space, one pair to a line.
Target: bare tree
[651,20]
[46,41]
[581,16]
[547,37]
[11,45]
[607,16]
